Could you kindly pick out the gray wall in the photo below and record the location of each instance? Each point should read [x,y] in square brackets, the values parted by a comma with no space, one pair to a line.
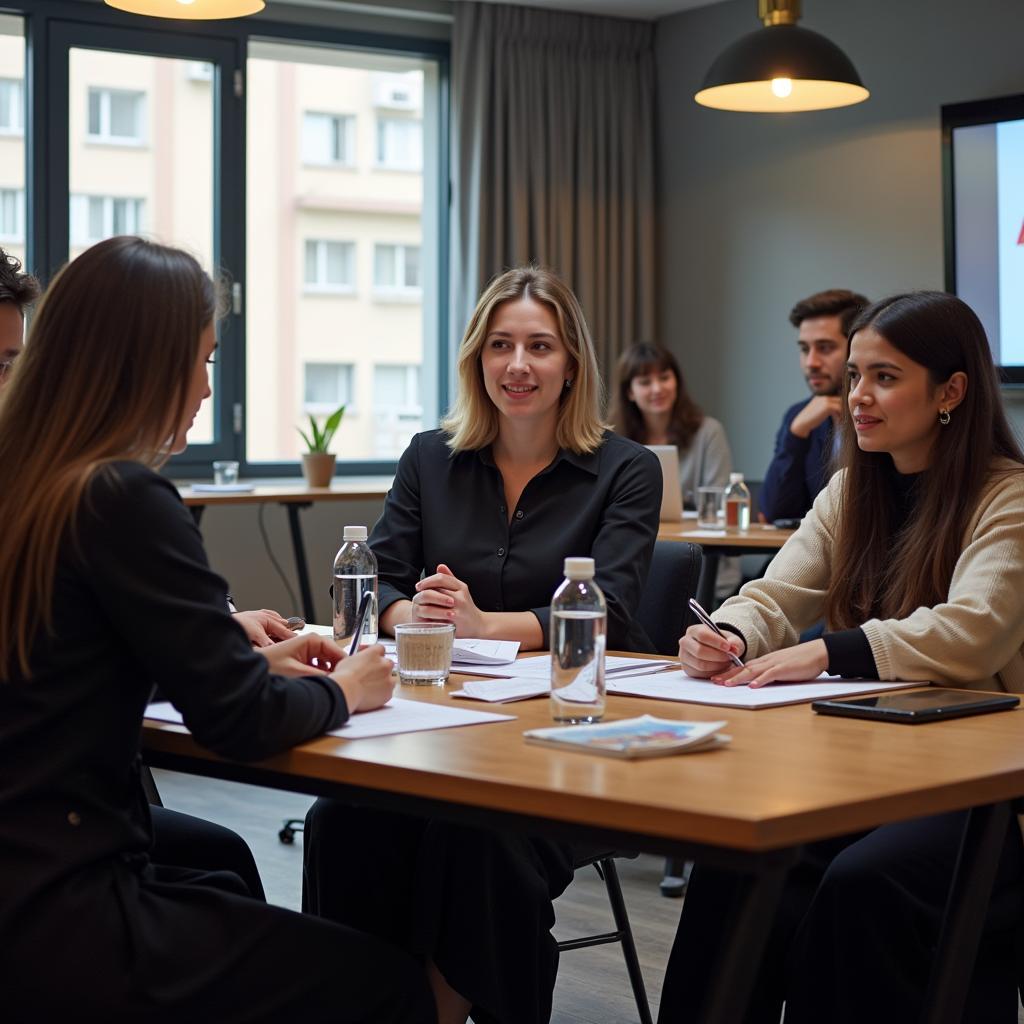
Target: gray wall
[760,210]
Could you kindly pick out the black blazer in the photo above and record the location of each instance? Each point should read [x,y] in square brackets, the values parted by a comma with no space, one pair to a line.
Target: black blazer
[134,603]
[450,507]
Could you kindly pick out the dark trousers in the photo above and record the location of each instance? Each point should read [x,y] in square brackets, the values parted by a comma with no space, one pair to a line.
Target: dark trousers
[184,841]
[855,932]
[474,901]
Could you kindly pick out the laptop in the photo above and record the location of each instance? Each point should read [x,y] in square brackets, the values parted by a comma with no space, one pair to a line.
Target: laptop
[671,491]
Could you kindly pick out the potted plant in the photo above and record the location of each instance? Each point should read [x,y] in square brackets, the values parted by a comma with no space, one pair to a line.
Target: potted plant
[318,462]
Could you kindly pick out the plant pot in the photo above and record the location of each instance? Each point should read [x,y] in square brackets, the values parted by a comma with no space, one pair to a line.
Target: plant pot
[318,468]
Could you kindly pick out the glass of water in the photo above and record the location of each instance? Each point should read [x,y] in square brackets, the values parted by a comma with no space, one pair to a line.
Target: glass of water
[709,507]
[424,652]
[225,472]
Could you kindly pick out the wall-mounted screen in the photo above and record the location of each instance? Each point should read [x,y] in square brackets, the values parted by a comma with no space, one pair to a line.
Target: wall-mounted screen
[983,180]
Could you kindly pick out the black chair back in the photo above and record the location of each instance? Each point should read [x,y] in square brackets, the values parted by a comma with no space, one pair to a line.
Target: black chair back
[664,610]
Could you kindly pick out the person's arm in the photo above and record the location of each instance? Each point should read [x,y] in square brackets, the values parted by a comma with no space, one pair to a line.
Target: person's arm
[717,462]
[397,541]
[145,562]
[979,628]
[770,613]
[784,491]
[624,544]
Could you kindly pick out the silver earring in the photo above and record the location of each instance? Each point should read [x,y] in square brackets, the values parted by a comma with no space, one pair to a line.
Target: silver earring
[568,383]
[944,417]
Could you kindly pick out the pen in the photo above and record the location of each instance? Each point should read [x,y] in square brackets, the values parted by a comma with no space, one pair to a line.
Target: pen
[706,619]
[364,610]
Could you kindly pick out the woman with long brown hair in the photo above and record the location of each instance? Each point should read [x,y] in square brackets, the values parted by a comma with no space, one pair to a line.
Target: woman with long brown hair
[105,591]
[914,556]
[651,405]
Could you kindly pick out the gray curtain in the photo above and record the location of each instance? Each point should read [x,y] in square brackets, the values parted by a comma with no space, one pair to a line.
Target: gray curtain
[553,160]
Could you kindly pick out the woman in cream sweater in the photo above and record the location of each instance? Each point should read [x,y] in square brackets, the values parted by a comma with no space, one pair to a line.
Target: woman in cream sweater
[914,557]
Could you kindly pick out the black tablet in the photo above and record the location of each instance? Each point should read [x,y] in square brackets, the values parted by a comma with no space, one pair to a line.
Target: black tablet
[920,706]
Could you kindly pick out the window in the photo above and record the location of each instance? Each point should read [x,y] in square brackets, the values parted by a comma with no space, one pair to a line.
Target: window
[12,106]
[319,312]
[396,271]
[116,116]
[399,144]
[94,218]
[326,386]
[12,215]
[330,266]
[328,140]
[397,411]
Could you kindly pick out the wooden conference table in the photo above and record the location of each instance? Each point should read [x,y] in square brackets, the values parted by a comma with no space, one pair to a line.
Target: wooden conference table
[716,544]
[294,497]
[790,777]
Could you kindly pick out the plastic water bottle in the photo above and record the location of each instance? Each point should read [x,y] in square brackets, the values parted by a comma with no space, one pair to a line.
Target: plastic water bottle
[736,501]
[355,573]
[579,626]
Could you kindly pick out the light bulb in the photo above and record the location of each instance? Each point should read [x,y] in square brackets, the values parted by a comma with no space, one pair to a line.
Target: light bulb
[186,2]
[782,87]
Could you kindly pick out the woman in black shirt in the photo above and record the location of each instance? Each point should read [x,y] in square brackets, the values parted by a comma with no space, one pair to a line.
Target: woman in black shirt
[522,474]
[105,591]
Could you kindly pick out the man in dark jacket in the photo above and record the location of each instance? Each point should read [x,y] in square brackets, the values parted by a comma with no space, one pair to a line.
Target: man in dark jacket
[806,440]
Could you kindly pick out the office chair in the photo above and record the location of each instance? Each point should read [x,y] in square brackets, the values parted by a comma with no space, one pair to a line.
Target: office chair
[664,612]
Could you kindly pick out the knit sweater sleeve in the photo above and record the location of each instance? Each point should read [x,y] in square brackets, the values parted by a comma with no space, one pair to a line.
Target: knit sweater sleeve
[772,612]
[979,629]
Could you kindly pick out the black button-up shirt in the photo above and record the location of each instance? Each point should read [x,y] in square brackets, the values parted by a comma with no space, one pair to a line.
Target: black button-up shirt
[450,507]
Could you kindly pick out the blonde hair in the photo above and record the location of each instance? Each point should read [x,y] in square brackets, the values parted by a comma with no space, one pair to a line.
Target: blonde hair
[472,421]
[105,376]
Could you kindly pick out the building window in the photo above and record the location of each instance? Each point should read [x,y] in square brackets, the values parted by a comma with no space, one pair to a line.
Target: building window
[12,106]
[326,386]
[12,215]
[397,408]
[94,218]
[399,144]
[328,140]
[330,266]
[117,116]
[396,271]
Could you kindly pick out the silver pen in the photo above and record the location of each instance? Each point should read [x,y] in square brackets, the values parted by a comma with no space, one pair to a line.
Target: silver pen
[706,619]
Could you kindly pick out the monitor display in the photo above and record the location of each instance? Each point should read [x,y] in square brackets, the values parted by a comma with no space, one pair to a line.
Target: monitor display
[983,182]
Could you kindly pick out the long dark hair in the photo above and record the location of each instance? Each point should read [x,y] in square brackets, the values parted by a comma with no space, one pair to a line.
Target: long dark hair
[105,376]
[637,361]
[877,571]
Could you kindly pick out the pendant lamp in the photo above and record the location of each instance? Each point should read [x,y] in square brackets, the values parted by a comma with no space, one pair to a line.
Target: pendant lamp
[781,68]
[194,10]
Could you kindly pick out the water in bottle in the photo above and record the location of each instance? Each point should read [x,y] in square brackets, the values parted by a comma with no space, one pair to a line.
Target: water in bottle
[736,501]
[578,639]
[355,573]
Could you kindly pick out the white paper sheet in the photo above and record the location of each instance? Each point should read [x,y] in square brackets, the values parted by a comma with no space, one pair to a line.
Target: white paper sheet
[396,716]
[504,691]
[400,715]
[614,665]
[679,686]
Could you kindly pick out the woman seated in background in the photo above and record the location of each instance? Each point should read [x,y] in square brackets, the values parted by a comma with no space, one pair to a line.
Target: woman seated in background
[650,405]
[914,556]
[521,474]
[105,591]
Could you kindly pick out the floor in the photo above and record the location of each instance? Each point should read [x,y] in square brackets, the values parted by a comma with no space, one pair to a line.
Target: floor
[592,988]
[592,984]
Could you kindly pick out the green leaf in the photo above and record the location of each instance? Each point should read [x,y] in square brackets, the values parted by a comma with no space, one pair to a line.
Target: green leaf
[332,424]
[319,438]
[305,437]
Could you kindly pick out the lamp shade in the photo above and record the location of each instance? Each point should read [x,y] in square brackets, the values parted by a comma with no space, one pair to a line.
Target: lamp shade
[195,10]
[779,69]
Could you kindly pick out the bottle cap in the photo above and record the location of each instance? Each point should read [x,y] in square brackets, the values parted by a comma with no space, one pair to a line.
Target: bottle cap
[579,568]
[735,478]
[354,533]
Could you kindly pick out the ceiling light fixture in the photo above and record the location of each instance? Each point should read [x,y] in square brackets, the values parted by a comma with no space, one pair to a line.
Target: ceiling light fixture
[193,10]
[781,68]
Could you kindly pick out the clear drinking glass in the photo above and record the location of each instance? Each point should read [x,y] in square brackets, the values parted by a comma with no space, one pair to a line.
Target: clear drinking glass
[225,473]
[709,507]
[424,652]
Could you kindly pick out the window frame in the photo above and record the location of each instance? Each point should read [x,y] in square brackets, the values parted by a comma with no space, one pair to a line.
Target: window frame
[15,103]
[53,27]
[348,121]
[322,286]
